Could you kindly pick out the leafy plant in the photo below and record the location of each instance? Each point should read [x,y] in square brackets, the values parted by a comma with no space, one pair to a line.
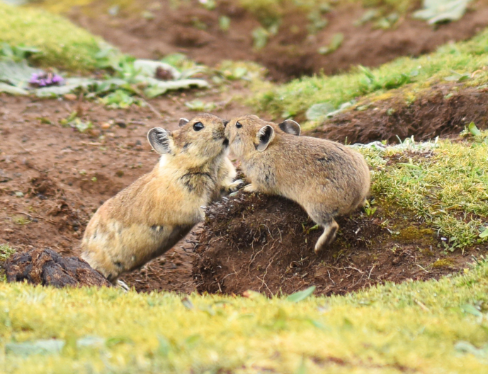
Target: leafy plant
[224,23]
[436,11]
[334,44]
[16,53]
[260,36]
[120,99]
[200,106]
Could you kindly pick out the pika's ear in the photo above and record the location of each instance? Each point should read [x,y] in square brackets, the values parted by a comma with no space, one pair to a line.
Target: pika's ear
[183,122]
[161,140]
[290,127]
[264,136]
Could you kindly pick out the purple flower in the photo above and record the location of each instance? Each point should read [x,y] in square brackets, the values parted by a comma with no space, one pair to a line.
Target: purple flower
[45,80]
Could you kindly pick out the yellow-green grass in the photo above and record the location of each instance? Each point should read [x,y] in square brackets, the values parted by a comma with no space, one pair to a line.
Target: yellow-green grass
[5,252]
[449,190]
[62,44]
[449,61]
[426,327]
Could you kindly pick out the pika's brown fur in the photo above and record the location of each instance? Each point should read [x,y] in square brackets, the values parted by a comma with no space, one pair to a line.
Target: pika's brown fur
[326,178]
[151,215]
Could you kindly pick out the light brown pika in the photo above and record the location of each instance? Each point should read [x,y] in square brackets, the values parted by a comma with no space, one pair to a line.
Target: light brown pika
[326,178]
[151,215]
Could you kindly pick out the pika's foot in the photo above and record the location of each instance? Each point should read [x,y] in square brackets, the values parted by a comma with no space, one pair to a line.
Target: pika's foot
[235,186]
[327,237]
[250,188]
[123,285]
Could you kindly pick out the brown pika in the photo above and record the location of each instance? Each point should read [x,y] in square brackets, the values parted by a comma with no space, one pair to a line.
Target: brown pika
[150,216]
[326,178]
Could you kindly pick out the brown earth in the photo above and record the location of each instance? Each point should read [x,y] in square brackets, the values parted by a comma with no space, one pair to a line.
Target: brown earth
[266,244]
[292,52]
[443,110]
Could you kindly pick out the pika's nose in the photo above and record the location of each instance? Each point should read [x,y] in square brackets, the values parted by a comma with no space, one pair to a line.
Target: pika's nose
[225,123]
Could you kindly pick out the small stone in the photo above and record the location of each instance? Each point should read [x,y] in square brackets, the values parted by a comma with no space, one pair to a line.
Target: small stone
[106,125]
[19,194]
[70,97]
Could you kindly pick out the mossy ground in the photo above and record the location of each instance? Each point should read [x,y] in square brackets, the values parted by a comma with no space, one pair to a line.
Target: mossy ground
[445,185]
[63,45]
[436,326]
[464,62]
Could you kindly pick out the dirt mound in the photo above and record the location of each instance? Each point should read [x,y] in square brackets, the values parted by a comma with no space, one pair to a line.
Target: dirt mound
[265,243]
[292,52]
[48,268]
[442,111]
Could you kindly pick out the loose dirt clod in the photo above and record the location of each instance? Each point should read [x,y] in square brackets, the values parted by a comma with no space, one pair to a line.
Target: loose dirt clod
[265,243]
[48,268]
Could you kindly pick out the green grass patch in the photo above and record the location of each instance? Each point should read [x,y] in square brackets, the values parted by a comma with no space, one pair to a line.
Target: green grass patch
[452,62]
[5,252]
[445,184]
[432,327]
[63,45]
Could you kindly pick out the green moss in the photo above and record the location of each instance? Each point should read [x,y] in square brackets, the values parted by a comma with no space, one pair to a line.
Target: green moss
[5,252]
[443,263]
[412,233]
[446,190]
[431,327]
[63,44]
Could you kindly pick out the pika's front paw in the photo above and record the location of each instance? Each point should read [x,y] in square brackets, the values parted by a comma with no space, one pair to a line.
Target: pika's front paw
[250,188]
[235,186]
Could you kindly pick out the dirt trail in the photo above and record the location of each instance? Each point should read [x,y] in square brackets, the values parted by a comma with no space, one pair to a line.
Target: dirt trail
[292,52]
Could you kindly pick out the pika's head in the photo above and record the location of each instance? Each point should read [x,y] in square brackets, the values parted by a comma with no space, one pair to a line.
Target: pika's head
[201,138]
[250,133]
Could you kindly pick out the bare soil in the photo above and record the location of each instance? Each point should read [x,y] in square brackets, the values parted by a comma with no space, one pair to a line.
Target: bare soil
[265,243]
[444,110]
[292,52]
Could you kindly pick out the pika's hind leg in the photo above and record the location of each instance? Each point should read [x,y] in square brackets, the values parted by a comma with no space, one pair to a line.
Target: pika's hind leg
[324,217]
[327,237]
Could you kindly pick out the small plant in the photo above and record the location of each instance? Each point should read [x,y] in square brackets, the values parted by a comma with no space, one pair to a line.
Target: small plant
[334,44]
[200,106]
[16,53]
[224,23]
[45,80]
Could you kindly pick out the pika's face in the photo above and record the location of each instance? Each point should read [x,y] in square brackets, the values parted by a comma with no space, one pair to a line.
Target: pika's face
[250,133]
[202,137]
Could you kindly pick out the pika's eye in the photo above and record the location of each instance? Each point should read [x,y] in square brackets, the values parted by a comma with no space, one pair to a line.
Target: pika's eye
[198,126]
[238,125]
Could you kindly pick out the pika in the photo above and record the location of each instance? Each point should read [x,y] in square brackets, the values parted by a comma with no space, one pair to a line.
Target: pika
[151,215]
[326,178]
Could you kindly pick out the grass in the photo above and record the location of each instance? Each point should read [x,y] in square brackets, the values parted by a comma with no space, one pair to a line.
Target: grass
[431,327]
[447,190]
[63,44]
[5,252]
[451,61]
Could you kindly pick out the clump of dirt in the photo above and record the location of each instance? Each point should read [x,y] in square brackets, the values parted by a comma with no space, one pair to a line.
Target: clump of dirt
[292,52]
[48,268]
[265,243]
[444,110]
